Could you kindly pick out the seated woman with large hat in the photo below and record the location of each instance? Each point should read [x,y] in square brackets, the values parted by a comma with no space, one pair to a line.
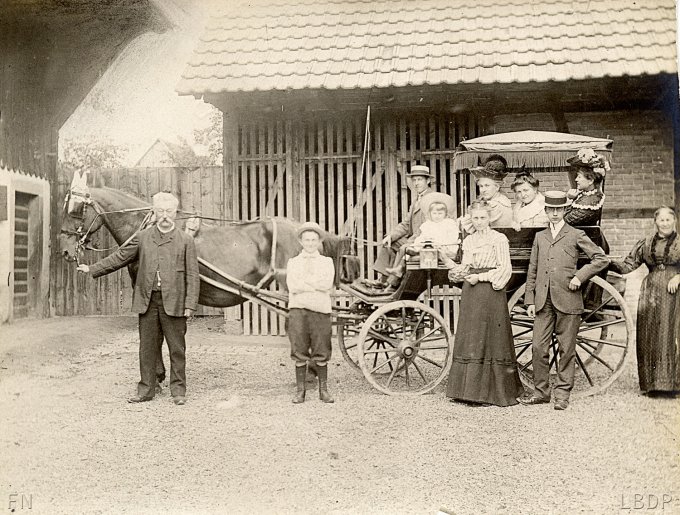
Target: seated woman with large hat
[587,197]
[489,178]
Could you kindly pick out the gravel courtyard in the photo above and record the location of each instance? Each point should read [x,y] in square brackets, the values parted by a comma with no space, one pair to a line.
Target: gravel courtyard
[71,444]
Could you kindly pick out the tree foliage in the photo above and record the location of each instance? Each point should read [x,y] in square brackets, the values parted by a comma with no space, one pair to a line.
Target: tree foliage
[211,137]
[88,154]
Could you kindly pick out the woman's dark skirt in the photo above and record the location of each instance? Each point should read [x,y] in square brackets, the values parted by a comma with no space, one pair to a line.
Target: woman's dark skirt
[484,366]
[658,333]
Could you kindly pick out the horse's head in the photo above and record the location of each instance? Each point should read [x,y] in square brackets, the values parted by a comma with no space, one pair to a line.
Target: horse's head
[79,218]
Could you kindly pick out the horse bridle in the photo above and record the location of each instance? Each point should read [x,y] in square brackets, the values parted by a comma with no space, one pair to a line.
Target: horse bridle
[83,235]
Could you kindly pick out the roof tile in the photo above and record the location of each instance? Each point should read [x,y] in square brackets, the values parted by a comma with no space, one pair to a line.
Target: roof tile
[295,44]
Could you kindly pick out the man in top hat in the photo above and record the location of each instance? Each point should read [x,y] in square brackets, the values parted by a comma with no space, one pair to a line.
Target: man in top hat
[489,178]
[309,278]
[419,177]
[553,296]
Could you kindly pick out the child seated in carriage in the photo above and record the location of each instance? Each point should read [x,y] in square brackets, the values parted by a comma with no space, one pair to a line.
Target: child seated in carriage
[439,230]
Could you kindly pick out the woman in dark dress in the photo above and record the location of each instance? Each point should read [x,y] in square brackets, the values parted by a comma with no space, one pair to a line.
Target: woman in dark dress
[587,197]
[658,317]
[484,369]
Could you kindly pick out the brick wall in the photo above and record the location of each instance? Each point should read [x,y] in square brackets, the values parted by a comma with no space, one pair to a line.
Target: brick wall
[642,165]
[623,233]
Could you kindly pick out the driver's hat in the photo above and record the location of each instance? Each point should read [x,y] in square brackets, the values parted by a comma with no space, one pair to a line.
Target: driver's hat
[419,171]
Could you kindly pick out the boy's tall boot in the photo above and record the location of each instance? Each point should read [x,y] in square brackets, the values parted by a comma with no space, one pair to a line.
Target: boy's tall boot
[300,375]
[323,384]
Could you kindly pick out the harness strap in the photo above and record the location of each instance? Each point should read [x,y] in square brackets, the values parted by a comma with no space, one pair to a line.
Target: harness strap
[272,261]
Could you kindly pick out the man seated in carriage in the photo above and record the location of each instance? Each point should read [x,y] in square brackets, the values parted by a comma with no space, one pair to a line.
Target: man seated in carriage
[405,232]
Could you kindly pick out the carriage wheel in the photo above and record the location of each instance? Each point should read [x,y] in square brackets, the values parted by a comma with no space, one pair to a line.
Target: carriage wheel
[348,333]
[405,348]
[602,342]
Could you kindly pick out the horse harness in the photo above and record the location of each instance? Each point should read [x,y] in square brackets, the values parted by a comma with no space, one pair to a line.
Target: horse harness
[76,208]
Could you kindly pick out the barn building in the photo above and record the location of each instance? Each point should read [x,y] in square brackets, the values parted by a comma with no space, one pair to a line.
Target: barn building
[294,80]
[52,54]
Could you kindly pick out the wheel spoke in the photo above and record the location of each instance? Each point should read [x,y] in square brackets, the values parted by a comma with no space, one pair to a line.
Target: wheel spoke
[554,358]
[389,361]
[391,377]
[415,365]
[522,322]
[527,346]
[380,351]
[420,320]
[438,347]
[426,335]
[408,378]
[603,342]
[603,304]
[376,335]
[598,325]
[594,356]
[525,366]
[522,333]
[389,325]
[430,361]
[585,372]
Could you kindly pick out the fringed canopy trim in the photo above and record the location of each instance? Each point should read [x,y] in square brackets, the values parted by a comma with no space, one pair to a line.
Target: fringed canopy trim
[544,160]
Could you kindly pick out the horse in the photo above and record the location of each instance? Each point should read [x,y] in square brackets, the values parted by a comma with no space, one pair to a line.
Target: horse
[243,250]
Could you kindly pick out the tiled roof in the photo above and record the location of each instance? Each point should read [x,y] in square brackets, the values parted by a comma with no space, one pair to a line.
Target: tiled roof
[365,44]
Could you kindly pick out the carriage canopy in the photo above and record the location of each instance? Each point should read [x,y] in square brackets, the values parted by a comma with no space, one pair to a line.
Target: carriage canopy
[533,149]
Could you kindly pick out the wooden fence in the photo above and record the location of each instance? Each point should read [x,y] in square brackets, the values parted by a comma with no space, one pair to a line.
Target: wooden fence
[306,169]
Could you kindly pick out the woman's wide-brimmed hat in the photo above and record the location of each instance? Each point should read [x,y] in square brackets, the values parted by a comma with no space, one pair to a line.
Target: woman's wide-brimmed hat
[591,160]
[419,171]
[495,167]
[310,226]
[556,199]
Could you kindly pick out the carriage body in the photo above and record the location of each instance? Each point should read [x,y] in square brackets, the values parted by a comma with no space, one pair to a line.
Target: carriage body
[383,335]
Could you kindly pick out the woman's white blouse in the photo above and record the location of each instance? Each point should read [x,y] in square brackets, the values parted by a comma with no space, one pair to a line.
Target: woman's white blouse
[489,249]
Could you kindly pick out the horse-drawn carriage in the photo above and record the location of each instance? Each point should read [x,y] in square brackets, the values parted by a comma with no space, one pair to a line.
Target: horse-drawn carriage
[400,341]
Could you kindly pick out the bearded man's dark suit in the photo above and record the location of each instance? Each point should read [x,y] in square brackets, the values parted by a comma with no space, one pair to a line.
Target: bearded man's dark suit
[551,267]
[404,233]
[172,256]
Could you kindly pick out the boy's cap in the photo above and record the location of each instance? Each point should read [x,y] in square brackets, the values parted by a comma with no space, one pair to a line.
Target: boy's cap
[310,226]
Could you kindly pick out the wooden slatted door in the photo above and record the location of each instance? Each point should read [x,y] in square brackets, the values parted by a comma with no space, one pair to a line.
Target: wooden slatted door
[310,169]
[21,249]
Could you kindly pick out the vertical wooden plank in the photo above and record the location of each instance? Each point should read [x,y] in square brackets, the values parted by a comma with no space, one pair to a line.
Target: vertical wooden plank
[320,183]
[292,173]
[252,173]
[369,200]
[391,173]
[429,128]
[350,174]
[378,127]
[340,177]
[329,201]
[229,145]
[272,187]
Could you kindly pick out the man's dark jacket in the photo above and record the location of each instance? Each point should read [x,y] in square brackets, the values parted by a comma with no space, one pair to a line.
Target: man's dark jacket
[173,254]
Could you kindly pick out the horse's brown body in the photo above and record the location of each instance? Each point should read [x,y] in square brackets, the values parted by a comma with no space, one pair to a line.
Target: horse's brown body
[242,250]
